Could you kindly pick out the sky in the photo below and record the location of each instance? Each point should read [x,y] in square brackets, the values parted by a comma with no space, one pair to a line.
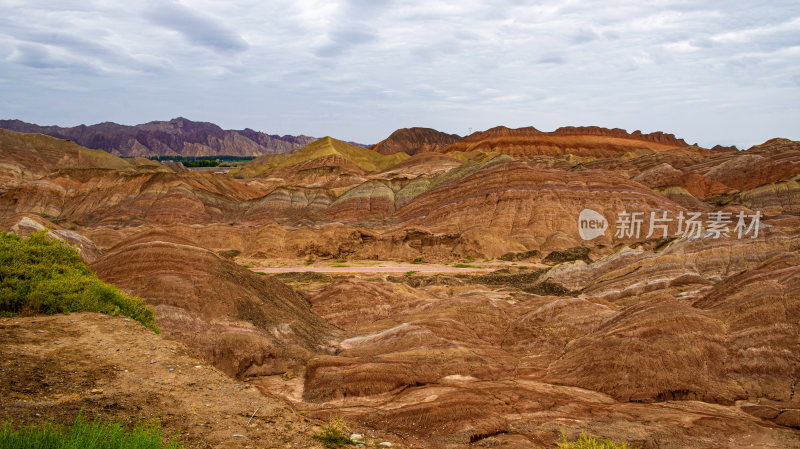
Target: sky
[712,72]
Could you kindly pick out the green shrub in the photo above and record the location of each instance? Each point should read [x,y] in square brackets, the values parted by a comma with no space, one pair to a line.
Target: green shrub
[83,434]
[411,273]
[335,434]
[201,163]
[418,260]
[463,265]
[589,442]
[308,262]
[340,260]
[46,276]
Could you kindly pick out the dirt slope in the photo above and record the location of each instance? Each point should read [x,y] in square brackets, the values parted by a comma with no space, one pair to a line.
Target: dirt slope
[113,366]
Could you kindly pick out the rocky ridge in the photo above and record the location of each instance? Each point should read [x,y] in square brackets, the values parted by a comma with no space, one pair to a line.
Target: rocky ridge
[177,137]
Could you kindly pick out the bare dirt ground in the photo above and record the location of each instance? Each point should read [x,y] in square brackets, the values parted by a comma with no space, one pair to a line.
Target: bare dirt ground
[374,311]
[368,269]
[54,366]
[279,265]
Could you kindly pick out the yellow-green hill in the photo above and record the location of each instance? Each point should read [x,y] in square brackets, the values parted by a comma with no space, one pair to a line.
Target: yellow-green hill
[259,166]
[30,156]
[49,150]
[365,159]
[327,146]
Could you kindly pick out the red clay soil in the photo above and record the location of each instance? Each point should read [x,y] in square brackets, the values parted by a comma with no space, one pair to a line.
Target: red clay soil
[421,269]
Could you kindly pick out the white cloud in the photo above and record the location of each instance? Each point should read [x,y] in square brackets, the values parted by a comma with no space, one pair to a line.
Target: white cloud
[198,28]
[360,69]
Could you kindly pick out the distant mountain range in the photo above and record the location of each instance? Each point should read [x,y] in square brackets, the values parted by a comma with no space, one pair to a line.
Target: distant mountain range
[177,137]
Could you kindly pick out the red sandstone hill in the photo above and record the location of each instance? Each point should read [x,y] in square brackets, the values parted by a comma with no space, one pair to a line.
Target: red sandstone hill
[102,197]
[246,324]
[508,199]
[698,328]
[502,131]
[415,140]
[591,141]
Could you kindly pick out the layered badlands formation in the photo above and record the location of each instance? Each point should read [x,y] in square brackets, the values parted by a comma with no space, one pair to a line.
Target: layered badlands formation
[248,325]
[589,141]
[664,342]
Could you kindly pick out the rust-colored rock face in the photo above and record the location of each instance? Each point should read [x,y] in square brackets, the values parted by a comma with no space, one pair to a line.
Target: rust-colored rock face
[589,141]
[415,140]
[655,338]
[511,198]
[454,361]
[247,325]
[122,199]
[726,173]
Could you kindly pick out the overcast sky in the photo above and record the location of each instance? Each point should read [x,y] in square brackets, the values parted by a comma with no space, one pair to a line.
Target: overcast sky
[713,72]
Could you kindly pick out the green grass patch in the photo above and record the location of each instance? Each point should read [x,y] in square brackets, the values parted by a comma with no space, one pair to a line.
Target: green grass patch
[522,267]
[418,260]
[367,263]
[84,434]
[340,260]
[308,262]
[338,265]
[463,265]
[335,434]
[411,273]
[247,265]
[589,442]
[469,259]
[46,276]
